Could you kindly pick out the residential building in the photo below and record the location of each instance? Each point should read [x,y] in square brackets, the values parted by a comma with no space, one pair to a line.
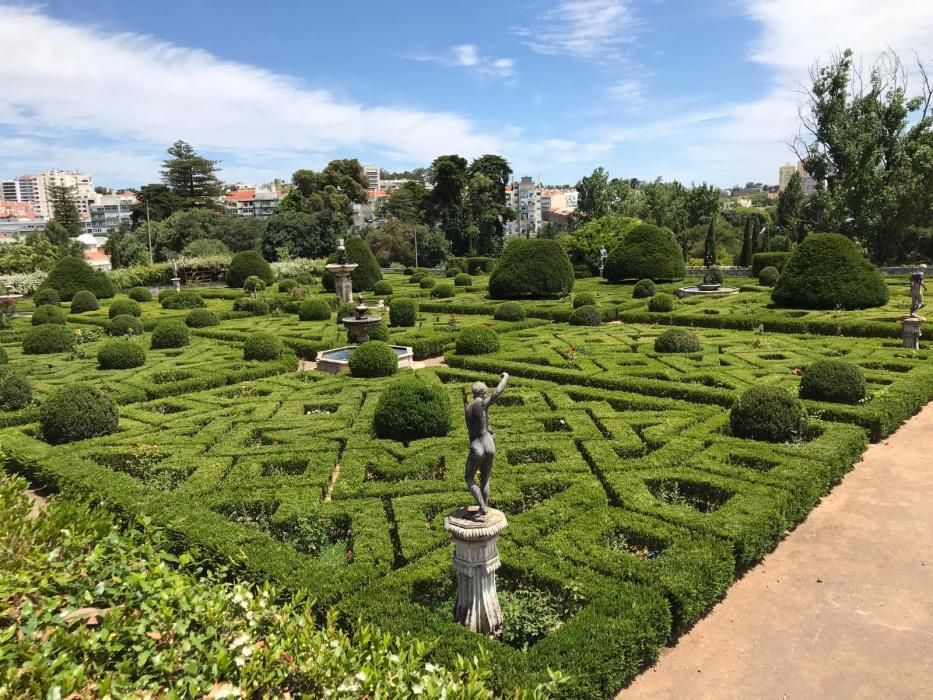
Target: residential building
[524,197]
[807,182]
[251,202]
[364,214]
[35,189]
[16,210]
[94,251]
[557,199]
[110,211]
[784,174]
[373,175]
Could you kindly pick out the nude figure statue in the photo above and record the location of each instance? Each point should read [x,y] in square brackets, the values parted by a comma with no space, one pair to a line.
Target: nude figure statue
[482,442]
[917,288]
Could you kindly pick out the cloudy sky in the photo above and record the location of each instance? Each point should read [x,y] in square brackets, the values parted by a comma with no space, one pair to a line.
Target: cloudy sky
[680,89]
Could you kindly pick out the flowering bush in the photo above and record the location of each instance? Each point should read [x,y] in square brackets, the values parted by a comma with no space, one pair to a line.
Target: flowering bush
[26,283]
[294,267]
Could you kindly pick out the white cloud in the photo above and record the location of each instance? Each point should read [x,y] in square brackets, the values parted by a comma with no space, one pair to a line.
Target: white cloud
[469,56]
[588,29]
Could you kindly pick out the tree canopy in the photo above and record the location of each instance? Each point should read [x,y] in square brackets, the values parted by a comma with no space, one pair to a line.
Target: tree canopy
[191,176]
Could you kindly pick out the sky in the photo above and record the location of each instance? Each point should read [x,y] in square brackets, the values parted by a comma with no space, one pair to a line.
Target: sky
[692,90]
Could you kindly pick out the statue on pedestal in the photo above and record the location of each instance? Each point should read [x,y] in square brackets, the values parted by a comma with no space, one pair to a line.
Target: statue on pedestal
[482,442]
[917,288]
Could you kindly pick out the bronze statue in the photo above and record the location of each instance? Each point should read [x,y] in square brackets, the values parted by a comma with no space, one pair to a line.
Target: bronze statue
[917,288]
[482,442]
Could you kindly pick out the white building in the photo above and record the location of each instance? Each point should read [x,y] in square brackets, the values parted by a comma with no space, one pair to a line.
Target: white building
[35,189]
[373,175]
[251,202]
[524,197]
[110,211]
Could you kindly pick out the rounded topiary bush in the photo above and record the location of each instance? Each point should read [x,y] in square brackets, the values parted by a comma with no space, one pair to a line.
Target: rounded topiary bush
[374,358]
[367,271]
[285,286]
[48,314]
[77,412]
[380,332]
[427,282]
[643,289]
[48,338]
[462,279]
[15,390]
[140,294]
[345,310]
[262,346]
[46,296]
[585,316]
[646,252]
[416,277]
[201,318]
[124,324]
[833,380]
[443,291]
[677,340]
[714,274]
[257,306]
[121,354]
[166,294]
[304,278]
[383,288]
[314,310]
[661,303]
[403,312]
[412,409]
[477,340]
[509,311]
[84,300]
[827,271]
[248,263]
[124,307]
[531,267]
[768,413]
[170,334]
[253,285]
[769,277]
[70,275]
[182,300]
[584,299]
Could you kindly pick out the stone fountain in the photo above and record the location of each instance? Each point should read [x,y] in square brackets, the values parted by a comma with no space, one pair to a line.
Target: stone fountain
[8,302]
[710,286]
[341,270]
[361,324]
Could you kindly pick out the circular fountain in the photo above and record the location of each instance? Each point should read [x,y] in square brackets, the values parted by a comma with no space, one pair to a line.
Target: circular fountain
[710,286]
[361,324]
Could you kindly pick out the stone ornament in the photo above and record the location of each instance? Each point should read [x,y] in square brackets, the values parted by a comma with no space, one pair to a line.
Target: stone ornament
[482,443]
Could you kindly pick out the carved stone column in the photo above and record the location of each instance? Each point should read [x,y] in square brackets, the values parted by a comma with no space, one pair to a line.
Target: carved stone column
[911,331]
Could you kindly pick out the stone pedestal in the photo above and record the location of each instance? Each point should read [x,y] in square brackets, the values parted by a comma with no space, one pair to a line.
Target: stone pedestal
[177,282]
[343,285]
[476,559]
[910,331]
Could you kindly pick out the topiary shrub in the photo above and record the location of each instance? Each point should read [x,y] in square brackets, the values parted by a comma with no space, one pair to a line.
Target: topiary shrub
[643,289]
[15,390]
[70,275]
[165,294]
[585,316]
[124,307]
[427,282]
[367,271]
[833,380]
[403,312]
[646,251]
[412,409]
[170,334]
[531,267]
[314,310]
[383,288]
[248,263]
[768,277]
[677,340]
[661,303]
[714,274]
[253,285]
[509,311]
[408,271]
[201,318]
[443,291]
[77,412]
[46,296]
[262,346]
[416,277]
[345,310]
[140,294]
[124,324]
[452,272]
[48,338]
[827,271]
[257,306]
[584,299]
[4,358]
[380,332]
[477,340]
[768,413]
[304,278]
[462,279]
[121,354]
[182,300]
[762,260]
[84,300]
[48,314]
[374,358]
[285,286]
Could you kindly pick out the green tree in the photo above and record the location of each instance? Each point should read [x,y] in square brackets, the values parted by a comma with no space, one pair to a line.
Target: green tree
[62,199]
[446,201]
[191,176]
[745,258]
[60,237]
[407,203]
[485,214]
[790,208]
[593,196]
[240,233]
[114,246]
[31,255]
[158,200]
[433,248]
[171,236]
[584,243]
[395,242]
[709,246]
[702,204]
[303,234]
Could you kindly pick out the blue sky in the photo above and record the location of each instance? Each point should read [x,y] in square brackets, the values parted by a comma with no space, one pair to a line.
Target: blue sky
[696,91]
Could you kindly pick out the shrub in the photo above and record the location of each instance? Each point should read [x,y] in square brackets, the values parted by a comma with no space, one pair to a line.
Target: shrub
[70,275]
[15,390]
[248,263]
[379,332]
[314,310]
[165,294]
[262,346]
[715,275]
[643,289]
[304,278]
[383,288]
[257,306]
[4,358]
[285,286]
[646,251]
[345,310]
[462,279]
[408,271]
[443,291]
[82,301]
[509,311]
[182,300]
[427,282]
[828,271]
[412,409]
[140,294]
[48,314]
[762,260]
[452,271]
[677,340]
[585,316]
[77,412]
[768,413]
[46,296]
[374,358]
[253,285]
[124,307]
[201,318]
[367,271]
[48,338]
[124,324]
[584,299]
[416,277]
[531,267]
[403,312]
[768,277]
[661,303]
[833,380]
[477,340]
[170,334]
[121,354]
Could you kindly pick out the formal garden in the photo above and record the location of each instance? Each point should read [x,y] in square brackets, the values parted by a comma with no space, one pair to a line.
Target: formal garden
[651,448]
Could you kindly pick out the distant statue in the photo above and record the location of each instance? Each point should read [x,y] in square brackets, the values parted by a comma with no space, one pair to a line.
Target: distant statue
[603,254]
[342,258]
[174,268]
[917,288]
[482,442]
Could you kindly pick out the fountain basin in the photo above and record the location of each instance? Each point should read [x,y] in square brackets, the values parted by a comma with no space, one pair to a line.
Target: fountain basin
[706,290]
[338,359]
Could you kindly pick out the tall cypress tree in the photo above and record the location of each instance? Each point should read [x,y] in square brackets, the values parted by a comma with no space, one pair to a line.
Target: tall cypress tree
[745,259]
[65,209]
[756,227]
[709,247]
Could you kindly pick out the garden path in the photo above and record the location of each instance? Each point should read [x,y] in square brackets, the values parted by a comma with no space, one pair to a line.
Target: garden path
[843,608]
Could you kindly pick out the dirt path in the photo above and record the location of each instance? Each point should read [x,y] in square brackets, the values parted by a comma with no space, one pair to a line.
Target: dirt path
[842,609]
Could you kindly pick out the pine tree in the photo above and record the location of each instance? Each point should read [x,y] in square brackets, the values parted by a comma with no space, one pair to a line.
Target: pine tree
[65,209]
[190,176]
[745,259]
[709,247]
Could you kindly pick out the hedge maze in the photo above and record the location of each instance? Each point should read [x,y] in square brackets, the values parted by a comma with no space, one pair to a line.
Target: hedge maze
[631,507]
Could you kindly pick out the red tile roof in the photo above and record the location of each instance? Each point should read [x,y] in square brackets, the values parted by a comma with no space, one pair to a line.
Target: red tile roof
[241,196]
[95,255]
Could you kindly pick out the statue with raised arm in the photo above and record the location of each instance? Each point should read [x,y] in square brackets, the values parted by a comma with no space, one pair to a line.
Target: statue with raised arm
[917,288]
[482,442]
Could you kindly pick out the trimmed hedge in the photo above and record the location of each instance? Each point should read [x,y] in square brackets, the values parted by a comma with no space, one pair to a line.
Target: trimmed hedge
[661,303]
[531,267]
[509,311]
[181,300]
[373,358]
[367,271]
[170,334]
[70,275]
[140,294]
[15,390]
[201,318]
[77,412]
[124,324]
[47,339]
[474,265]
[412,409]
[46,296]
[248,263]
[677,340]
[253,285]
[442,291]
[833,380]
[768,413]
[383,288]
[262,346]
[427,282]
[585,316]
[762,260]
[477,340]
[643,289]
[48,314]
[121,354]
[287,285]
[379,332]
[124,307]
[463,280]
[584,299]
[314,310]
[255,306]
[769,276]
[646,251]
[403,312]
[84,300]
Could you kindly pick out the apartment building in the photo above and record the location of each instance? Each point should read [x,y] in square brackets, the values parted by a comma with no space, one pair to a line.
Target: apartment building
[110,211]
[373,175]
[35,190]
[251,202]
